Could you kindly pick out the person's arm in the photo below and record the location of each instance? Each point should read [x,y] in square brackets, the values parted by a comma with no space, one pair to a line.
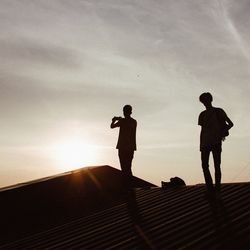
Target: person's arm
[229,122]
[115,122]
[135,127]
[200,123]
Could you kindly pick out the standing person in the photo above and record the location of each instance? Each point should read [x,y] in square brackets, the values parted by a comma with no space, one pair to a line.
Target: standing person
[126,144]
[214,124]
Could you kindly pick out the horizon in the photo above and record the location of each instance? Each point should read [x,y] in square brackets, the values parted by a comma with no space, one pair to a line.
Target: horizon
[68,67]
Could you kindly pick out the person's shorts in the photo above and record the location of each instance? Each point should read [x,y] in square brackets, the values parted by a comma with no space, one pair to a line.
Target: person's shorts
[216,147]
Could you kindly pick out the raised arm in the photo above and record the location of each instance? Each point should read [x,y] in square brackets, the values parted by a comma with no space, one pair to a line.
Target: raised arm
[115,122]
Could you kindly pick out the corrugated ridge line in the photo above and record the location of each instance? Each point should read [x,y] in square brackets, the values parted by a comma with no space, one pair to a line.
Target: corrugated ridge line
[210,238]
[172,230]
[79,221]
[47,237]
[92,246]
[109,223]
[171,192]
[146,232]
[235,188]
[103,234]
[109,240]
[172,197]
[130,244]
[90,242]
[71,224]
[56,232]
[66,241]
[155,202]
[240,231]
[189,234]
[168,221]
[171,207]
[49,231]
[97,223]
[234,198]
[74,231]
[78,232]
[74,223]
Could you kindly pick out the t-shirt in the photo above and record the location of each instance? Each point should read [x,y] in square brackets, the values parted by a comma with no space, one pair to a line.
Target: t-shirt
[127,134]
[209,120]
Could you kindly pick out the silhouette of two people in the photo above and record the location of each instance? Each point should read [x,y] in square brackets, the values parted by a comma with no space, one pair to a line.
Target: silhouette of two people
[126,144]
[215,125]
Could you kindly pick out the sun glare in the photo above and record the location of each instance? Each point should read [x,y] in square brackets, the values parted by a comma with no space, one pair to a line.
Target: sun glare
[74,154]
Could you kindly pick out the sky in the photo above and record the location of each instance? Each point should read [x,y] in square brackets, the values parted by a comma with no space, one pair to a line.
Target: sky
[67,67]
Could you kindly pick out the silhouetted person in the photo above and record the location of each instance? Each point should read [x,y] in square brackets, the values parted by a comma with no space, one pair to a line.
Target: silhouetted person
[214,124]
[126,142]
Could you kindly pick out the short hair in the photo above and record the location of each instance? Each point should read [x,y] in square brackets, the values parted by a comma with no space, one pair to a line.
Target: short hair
[127,108]
[206,97]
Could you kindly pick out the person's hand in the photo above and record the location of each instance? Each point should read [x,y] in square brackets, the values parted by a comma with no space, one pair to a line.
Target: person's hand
[115,118]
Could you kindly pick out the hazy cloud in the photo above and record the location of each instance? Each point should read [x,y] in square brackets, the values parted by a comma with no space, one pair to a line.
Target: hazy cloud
[25,51]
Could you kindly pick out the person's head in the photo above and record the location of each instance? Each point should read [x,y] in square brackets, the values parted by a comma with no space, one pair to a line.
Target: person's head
[206,98]
[127,110]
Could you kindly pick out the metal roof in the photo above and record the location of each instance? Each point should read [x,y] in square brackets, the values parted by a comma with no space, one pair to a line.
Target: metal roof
[156,218]
[42,204]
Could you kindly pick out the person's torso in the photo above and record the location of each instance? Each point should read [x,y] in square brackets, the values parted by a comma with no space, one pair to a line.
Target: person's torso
[211,130]
[127,134]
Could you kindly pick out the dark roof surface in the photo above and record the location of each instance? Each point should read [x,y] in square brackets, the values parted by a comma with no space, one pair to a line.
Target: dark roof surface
[104,173]
[156,218]
[38,205]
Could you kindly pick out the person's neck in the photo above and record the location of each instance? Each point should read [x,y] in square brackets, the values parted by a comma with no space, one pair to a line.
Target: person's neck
[209,107]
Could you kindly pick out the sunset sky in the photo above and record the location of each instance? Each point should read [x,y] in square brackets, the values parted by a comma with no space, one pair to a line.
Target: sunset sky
[67,67]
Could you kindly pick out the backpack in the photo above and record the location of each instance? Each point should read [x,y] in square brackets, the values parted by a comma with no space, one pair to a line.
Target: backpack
[224,128]
[175,182]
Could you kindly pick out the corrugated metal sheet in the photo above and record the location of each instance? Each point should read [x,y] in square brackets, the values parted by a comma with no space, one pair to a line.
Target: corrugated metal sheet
[39,205]
[178,218]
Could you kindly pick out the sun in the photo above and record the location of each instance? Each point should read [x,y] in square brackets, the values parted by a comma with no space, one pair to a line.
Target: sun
[74,153]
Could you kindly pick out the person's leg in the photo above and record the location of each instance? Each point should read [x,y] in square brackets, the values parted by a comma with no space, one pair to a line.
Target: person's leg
[129,158]
[128,167]
[126,162]
[122,159]
[217,162]
[205,167]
